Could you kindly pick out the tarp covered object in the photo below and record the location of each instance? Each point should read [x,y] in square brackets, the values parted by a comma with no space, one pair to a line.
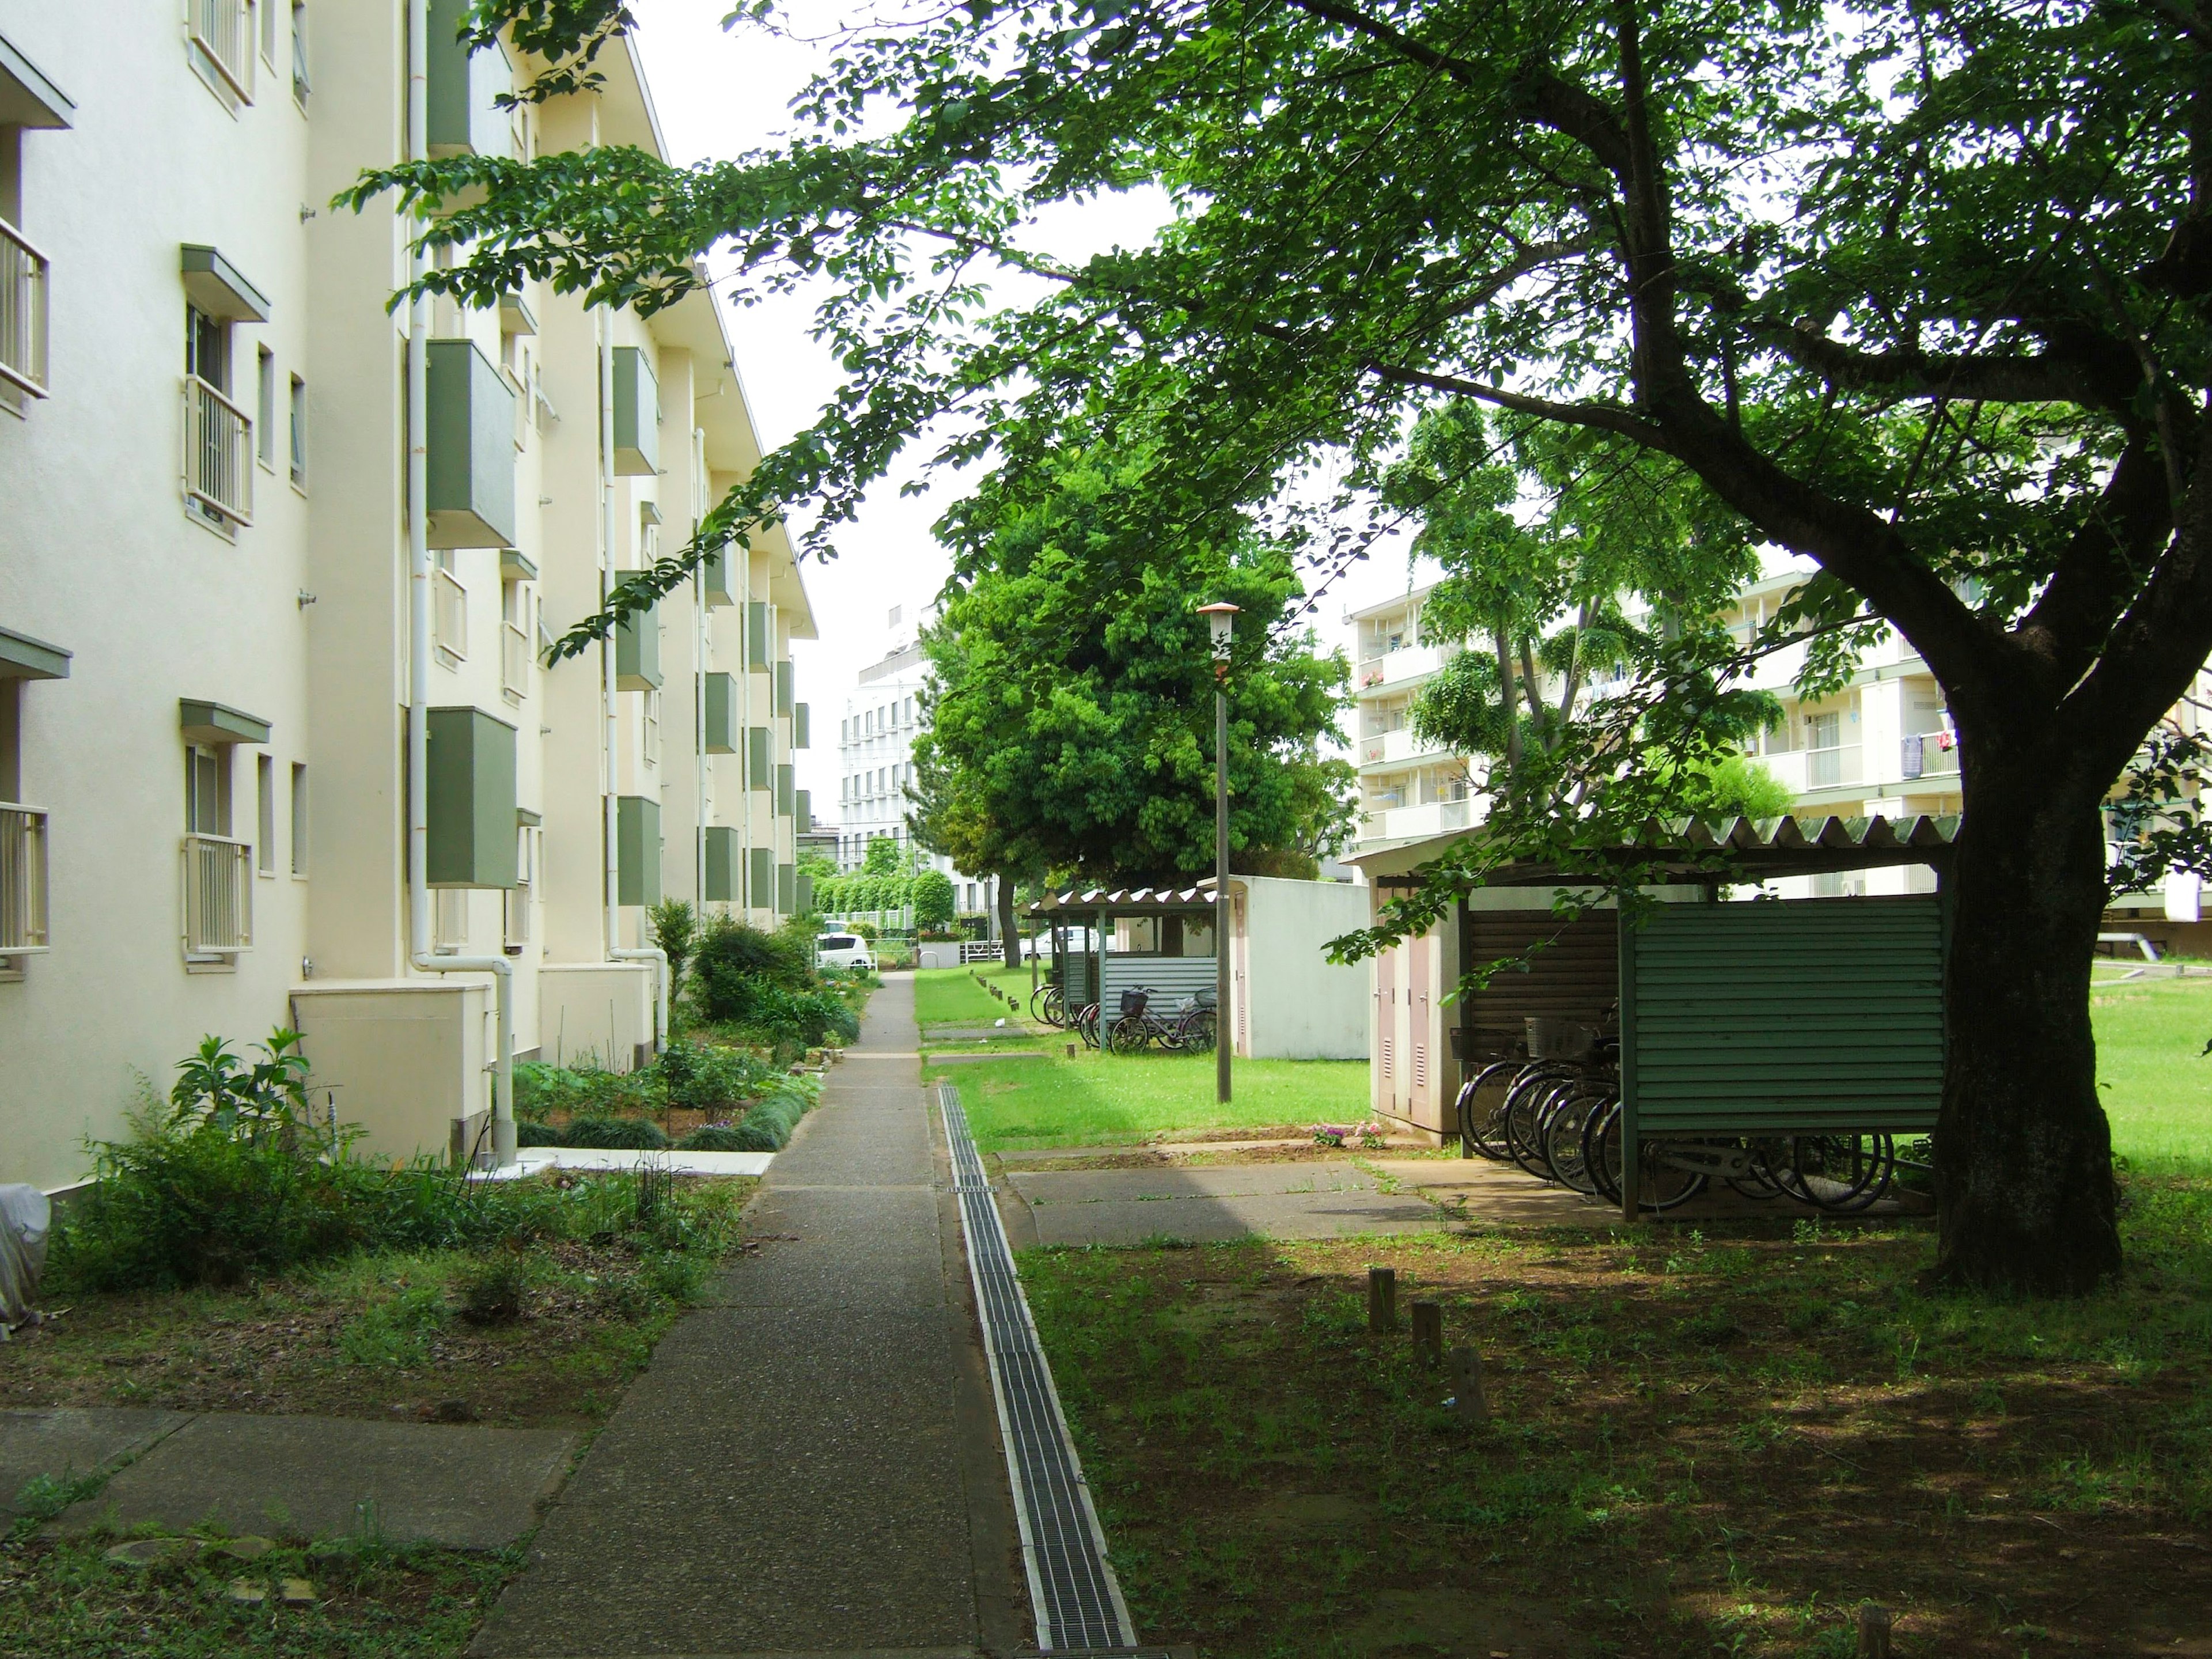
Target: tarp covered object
[25,1217]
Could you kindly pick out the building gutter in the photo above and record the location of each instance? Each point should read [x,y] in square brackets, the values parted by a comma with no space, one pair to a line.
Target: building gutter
[614,949]
[418,657]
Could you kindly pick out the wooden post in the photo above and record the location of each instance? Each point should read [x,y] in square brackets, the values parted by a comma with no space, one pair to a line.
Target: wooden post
[1469,1403]
[1873,1632]
[1071,1051]
[1382,1300]
[1429,1332]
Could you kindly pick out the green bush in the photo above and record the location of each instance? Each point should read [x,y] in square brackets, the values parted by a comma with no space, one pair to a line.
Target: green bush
[395,1335]
[542,1089]
[703,1076]
[714,1138]
[491,1290]
[615,1133]
[528,1131]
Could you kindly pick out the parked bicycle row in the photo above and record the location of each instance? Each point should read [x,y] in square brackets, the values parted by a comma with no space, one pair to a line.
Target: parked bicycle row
[1560,1120]
[1189,1030]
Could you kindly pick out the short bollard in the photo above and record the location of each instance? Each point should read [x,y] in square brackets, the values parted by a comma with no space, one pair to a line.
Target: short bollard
[1381,1298]
[1874,1633]
[1071,1051]
[1467,1402]
[1428,1332]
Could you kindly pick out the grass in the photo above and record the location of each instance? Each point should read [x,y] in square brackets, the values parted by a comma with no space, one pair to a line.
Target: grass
[1103,1099]
[1704,1443]
[370,1602]
[950,996]
[2152,1073]
[385,1333]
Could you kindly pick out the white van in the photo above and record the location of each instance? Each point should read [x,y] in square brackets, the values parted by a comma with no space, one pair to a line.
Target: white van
[843,950]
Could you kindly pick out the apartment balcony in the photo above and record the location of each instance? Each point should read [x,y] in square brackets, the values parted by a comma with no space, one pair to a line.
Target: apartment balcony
[1398,748]
[23,275]
[1925,755]
[513,660]
[472,444]
[449,614]
[1434,818]
[218,895]
[1805,771]
[1410,662]
[218,453]
[22,880]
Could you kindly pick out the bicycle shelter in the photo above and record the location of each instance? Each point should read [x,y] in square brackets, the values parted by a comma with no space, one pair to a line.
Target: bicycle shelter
[1737,1016]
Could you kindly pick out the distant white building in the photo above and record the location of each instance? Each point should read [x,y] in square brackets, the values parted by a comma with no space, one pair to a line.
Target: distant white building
[875,761]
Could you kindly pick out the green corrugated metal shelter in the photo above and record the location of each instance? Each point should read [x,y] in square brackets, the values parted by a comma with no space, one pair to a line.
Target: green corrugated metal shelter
[1748,1017]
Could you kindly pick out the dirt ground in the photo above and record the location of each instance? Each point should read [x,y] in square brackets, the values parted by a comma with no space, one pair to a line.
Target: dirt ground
[1716,1440]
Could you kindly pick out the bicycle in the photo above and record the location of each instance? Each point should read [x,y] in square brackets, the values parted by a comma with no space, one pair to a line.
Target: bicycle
[1137,1025]
[1048,1004]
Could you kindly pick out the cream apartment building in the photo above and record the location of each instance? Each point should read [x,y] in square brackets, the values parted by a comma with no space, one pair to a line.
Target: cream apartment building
[210,559]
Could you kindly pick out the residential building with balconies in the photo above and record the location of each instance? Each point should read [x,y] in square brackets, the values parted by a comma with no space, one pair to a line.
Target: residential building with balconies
[1407,787]
[206,580]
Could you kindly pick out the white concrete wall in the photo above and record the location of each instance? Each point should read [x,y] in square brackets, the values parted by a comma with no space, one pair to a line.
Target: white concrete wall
[1303,1006]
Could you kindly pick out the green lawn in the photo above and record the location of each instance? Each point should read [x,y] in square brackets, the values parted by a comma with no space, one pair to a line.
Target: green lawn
[1105,1100]
[2157,1086]
[950,996]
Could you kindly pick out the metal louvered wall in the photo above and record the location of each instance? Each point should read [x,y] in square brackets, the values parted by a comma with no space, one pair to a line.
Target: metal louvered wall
[1073,1590]
[1576,976]
[1790,1017]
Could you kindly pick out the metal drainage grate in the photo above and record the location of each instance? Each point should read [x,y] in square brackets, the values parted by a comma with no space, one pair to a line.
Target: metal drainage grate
[1078,1604]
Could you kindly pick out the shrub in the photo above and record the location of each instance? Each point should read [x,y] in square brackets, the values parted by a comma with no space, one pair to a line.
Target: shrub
[703,1076]
[491,1290]
[728,946]
[528,1131]
[934,901]
[714,1138]
[394,1334]
[615,1133]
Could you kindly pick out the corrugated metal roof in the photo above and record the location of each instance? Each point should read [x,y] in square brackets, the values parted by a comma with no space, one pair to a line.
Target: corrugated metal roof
[1804,844]
[1127,901]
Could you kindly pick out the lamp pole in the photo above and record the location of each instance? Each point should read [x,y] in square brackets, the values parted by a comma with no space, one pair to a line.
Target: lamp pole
[1220,618]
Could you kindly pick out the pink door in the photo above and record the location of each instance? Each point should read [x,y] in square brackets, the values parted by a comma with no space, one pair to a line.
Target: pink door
[1421,1089]
[1384,1030]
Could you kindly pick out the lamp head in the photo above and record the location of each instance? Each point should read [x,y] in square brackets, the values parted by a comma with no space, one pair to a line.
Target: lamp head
[1220,618]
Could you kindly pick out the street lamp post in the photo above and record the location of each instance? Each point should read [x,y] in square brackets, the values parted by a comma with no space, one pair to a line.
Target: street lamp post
[1220,618]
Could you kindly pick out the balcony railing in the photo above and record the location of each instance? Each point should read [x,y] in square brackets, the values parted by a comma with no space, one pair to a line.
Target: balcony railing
[449,614]
[223,29]
[513,660]
[218,453]
[1434,818]
[218,895]
[1926,756]
[23,312]
[22,880]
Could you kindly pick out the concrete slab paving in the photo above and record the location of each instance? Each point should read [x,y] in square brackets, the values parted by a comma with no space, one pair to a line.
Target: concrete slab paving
[1169,1180]
[1477,1190]
[1215,1202]
[74,1440]
[465,1487]
[798,1471]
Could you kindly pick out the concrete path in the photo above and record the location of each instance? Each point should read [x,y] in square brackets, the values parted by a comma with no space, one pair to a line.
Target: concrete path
[70,1442]
[1302,1200]
[811,1466]
[465,1487]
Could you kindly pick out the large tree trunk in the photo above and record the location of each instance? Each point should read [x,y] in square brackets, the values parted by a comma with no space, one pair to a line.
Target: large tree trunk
[2023,1153]
[1009,942]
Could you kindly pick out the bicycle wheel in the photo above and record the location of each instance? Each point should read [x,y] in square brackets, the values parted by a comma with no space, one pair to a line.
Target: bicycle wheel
[1524,1115]
[1600,1150]
[1480,1134]
[1127,1033]
[1844,1174]
[1086,1024]
[1660,1185]
[1168,1033]
[1198,1032]
[1563,1136]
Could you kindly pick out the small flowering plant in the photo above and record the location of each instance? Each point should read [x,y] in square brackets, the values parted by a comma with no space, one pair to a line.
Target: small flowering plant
[1369,1133]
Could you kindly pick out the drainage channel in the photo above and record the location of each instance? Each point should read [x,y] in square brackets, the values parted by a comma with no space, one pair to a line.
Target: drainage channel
[1071,1585]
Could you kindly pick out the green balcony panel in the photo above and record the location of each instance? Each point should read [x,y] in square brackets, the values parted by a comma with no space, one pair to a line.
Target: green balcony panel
[756,636]
[783,687]
[722,865]
[806,893]
[760,886]
[637,414]
[637,651]
[786,792]
[464,118]
[714,577]
[802,810]
[787,889]
[760,770]
[472,803]
[719,703]
[637,845]
[471,460]
[802,727]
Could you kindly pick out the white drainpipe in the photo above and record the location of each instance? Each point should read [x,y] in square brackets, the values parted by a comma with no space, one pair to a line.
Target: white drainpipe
[615,952]
[418,658]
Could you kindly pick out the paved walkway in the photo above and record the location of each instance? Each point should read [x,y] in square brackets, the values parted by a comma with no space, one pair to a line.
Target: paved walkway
[810,1465]
[1301,1200]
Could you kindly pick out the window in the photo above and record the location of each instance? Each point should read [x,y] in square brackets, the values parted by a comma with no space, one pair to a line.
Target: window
[264,410]
[207,791]
[268,10]
[449,918]
[515,902]
[299,819]
[299,87]
[299,433]
[652,746]
[265,779]
[206,348]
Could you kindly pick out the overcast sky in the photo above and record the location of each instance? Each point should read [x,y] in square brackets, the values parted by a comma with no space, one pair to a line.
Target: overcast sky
[717,95]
